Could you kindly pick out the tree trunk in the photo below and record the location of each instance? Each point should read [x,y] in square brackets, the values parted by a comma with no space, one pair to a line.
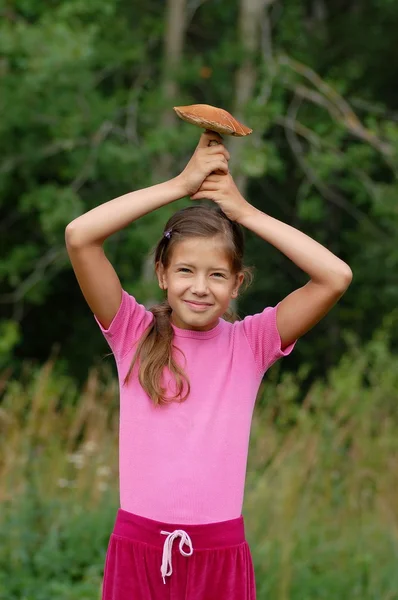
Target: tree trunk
[250,28]
[173,52]
[251,20]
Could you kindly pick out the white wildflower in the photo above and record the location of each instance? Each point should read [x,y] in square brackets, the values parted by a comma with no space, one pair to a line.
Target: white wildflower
[90,447]
[103,471]
[77,459]
[63,483]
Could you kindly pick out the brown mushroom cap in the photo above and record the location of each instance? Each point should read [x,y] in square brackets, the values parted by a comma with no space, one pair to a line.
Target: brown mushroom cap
[212,118]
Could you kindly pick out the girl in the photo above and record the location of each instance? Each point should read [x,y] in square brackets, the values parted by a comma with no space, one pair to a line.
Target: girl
[189,379]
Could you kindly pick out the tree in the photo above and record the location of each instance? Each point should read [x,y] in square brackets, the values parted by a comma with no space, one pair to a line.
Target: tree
[313,80]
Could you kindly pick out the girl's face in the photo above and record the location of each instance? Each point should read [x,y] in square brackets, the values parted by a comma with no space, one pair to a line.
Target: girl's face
[199,283]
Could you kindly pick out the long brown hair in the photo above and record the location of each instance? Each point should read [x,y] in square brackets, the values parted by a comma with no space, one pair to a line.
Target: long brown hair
[154,350]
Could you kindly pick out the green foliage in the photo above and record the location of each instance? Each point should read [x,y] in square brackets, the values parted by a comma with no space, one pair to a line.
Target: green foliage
[321,494]
[50,549]
[10,335]
[321,498]
[83,96]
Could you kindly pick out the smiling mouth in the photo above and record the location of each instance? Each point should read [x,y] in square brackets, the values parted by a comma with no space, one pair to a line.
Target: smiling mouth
[198,304]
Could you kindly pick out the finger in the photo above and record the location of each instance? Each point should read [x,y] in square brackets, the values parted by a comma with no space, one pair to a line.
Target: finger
[219,165]
[213,178]
[218,158]
[207,186]
[213,153]
[209,136]
[212,164]
[200,196]
[222,148]
[214,150]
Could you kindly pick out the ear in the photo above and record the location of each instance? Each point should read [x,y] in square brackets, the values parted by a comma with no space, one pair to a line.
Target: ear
[238,282]
[161,275]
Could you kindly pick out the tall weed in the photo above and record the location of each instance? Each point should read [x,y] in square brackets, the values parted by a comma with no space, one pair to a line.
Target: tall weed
[321,503]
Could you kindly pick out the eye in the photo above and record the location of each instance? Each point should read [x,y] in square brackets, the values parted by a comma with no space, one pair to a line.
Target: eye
[184,269]
[220,274]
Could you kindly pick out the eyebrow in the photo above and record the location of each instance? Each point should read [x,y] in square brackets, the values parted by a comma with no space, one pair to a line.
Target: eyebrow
[193,267]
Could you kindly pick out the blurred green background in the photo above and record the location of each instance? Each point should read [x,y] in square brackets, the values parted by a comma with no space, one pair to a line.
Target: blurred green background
[86,96]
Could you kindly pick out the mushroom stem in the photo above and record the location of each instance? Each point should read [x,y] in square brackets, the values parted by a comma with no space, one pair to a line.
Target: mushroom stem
[213,142]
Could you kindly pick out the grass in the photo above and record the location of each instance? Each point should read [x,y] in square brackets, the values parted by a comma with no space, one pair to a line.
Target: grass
[321,503]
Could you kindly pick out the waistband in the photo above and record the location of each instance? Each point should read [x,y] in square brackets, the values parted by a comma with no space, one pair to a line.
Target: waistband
[209,535]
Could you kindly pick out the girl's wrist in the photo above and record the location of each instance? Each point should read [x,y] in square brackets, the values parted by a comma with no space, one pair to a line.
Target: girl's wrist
[180,186]
[247,214]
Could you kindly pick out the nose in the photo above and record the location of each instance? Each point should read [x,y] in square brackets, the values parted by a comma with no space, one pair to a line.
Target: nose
[199,286]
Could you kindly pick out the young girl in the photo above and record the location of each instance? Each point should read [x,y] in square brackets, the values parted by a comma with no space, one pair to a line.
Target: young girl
[189,378]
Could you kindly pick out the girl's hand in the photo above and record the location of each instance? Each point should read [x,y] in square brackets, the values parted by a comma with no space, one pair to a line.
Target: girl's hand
[204,161]
[223,191]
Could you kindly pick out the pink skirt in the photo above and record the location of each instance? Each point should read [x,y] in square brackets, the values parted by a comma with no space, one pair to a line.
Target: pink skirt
[150,560]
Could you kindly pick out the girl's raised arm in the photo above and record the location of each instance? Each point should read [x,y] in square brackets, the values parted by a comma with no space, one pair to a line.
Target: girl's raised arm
[329,275]
[84,236]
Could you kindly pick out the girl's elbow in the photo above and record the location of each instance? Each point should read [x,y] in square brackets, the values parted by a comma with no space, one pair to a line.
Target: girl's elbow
[345,278]
[72,236]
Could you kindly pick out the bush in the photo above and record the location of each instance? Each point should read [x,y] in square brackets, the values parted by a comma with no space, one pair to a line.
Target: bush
[321,502]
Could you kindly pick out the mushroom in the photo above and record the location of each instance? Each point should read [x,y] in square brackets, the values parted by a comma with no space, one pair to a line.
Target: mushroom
[212,119]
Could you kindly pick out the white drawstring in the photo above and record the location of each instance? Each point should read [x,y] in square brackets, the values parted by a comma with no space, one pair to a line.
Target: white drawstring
[167,548]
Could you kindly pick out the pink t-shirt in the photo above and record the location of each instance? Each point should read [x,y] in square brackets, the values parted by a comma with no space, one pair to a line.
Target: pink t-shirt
[186,462]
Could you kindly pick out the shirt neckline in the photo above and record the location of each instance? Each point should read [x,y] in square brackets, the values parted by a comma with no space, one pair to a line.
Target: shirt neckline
[198,335]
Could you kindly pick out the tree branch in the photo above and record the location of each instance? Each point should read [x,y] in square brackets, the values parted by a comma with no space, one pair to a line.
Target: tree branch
[192,7]
[49,258]
[317,141]
[337,106]
[325,191]
[97,140]
[57,147]
[374,109]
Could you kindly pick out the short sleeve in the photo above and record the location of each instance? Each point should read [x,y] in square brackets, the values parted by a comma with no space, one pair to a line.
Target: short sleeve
[264,339]
[129,323]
